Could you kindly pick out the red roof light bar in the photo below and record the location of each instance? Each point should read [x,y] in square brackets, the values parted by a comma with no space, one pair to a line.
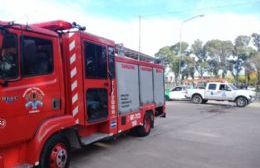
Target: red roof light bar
[54,25]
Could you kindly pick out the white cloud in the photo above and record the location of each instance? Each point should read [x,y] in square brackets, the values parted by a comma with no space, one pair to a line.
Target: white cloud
[156,32]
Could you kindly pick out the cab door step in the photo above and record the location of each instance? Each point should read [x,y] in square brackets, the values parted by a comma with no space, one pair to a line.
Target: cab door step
[93,138]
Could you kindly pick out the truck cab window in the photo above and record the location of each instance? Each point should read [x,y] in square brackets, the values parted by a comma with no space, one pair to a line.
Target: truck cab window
[227,88]
[222,87]
[177,89]
[37,57]
[9,57]
[212,86]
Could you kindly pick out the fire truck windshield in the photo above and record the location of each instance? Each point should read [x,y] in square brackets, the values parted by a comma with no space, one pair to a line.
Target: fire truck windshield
[8,56]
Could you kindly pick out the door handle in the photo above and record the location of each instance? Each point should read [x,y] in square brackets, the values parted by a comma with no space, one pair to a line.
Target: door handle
[56,104]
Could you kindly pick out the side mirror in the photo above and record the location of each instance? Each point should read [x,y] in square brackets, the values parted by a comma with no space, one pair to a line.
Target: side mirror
[228,89]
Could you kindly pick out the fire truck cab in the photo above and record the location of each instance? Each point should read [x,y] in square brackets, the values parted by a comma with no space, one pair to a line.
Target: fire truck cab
[61,88]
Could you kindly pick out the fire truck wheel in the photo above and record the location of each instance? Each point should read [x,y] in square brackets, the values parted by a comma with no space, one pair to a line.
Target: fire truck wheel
[56,153]
[145,129]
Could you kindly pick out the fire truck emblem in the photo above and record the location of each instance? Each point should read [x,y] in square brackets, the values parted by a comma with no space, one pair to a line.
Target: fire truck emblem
[33,97]
[2,123]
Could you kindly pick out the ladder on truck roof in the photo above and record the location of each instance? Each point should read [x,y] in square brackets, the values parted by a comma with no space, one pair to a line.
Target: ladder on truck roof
[123,51]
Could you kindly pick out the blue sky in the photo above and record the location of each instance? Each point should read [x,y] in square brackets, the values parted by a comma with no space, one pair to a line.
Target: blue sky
[123,9]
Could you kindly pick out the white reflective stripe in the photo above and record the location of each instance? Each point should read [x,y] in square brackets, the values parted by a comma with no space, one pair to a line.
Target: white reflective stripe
[72,58]
[75,111]
[77,121]
[71,34]
[74,98]
[72,45]
[74,85]
[73,72]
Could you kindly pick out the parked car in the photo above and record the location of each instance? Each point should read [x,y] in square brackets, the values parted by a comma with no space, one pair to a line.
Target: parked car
[221,92]
[178,93]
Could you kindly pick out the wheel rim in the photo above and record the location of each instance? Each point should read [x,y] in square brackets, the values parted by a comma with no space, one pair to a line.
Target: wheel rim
[59,156]
[241,102]
[147,124]
[196,99]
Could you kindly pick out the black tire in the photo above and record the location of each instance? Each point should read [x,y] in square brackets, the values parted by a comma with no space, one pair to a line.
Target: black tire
[241,101]
[204,101]
[145,129]
[50,149]
[196,99]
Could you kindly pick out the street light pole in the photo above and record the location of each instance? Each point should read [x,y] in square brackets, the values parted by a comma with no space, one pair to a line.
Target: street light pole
[180,48]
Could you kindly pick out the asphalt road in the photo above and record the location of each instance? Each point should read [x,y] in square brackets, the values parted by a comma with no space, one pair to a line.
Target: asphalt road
[192,136]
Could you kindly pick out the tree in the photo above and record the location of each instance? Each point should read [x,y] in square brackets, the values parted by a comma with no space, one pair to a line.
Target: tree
[199,51]
[219,51]
[214,67]
[242,52]
[170,58]
[188,67]
[256,40]
[170,55]
[256,61]
[256,58]
[165,53]
[184,47]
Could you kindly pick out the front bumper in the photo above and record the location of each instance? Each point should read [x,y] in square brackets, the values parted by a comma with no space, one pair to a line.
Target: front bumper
[252,99]
[17,166]
[14,157]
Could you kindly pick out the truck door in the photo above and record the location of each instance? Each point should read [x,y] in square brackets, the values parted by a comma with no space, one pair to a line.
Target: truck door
[33,92]
[176,93]
[226,92]
[211,91]
[97,85]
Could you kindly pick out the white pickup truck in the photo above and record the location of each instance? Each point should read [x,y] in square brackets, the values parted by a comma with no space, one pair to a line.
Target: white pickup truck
[221,92]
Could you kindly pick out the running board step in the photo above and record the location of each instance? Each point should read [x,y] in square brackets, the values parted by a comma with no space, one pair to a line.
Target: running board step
[93,138]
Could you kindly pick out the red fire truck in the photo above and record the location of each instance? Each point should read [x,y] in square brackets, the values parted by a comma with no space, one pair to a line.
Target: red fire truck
[61,88]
